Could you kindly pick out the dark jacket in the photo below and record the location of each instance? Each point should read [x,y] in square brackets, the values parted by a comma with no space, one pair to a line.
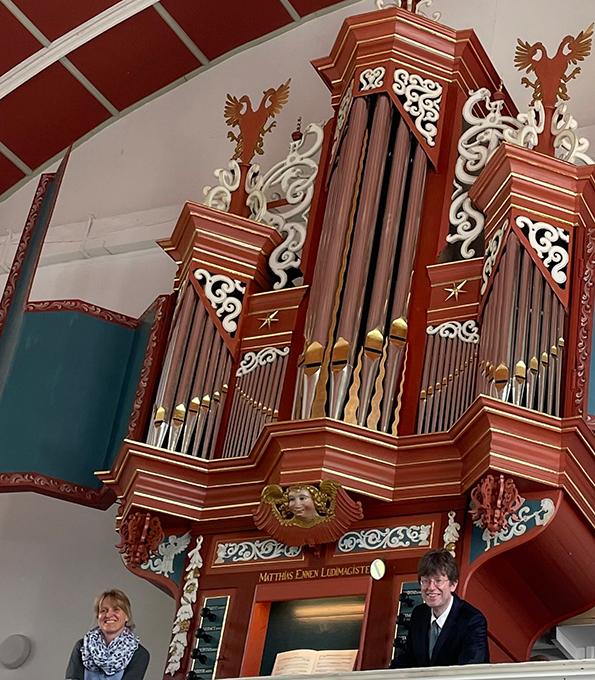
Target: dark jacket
[463,639]
[135,670]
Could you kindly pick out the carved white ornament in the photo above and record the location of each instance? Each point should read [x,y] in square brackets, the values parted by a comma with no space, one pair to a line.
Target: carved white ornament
[466,331]
[371,79]
[568,146]
[451,533]
[254,551]
[292,179]
[185,613]
[252,360]
[381,4]
[422,101]
[481,137]
[385,538]
[341,118]
[518,527]
[168,549]
[219,290]
[492,250]
[548,242]
[532,125]
[219,196]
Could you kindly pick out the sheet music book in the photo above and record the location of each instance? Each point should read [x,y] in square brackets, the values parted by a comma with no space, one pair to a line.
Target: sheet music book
[311,662]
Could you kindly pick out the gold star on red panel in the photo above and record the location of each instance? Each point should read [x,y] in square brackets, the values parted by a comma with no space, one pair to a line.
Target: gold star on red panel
[456,290]
[268,320]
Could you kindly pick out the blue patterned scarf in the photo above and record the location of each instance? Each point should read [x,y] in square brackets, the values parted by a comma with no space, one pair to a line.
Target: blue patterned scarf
[97,656]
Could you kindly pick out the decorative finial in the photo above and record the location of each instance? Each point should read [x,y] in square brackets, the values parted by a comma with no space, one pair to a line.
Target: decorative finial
[550,81]
[239,112]
[296,135]
[413,6]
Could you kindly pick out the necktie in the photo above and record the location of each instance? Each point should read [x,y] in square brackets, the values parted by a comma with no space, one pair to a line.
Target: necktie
[434,633]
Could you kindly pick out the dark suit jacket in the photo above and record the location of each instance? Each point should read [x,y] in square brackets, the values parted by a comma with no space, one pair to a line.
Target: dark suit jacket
[463,639]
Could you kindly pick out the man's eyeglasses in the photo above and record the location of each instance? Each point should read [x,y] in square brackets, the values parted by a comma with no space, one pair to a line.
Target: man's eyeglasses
[438,582]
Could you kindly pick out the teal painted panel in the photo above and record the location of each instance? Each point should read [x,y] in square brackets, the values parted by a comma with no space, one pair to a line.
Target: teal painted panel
[138,348]
[69,394]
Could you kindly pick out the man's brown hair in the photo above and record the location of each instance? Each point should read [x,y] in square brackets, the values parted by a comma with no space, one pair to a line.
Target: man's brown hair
[438,563]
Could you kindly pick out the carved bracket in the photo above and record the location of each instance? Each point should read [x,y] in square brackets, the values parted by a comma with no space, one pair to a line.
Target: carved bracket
[141,535]
[493,502]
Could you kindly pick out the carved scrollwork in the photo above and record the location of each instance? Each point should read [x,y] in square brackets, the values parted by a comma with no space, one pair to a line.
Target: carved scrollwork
[569,147]
[466,331]
[252,360]
[219,196]
[254,551]
[532,125]
[551,244]
[451,533]
[519,525]
[481,137]
[291,180]
[585,330]
[411,5]
[225,295]
[341,118]
[421,99]
[371,79]
[385,538]
[185,613]
[494,502]
[141,534]
[492,250]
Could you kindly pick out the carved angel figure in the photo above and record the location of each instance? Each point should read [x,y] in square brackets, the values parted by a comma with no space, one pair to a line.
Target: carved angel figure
[252,124]
[550,81]
[164,563]
[304,514]
[304,505]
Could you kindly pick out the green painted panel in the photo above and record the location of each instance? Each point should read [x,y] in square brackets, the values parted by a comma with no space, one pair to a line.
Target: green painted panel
[69,393]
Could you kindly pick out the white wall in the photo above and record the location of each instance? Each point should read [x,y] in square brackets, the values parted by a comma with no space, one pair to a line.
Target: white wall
[56,557]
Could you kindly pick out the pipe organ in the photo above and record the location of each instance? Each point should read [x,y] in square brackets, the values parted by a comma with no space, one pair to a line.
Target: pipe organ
[398,324]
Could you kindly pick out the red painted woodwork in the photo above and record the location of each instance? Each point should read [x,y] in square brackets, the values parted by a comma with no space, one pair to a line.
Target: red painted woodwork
[36,133]
[9,173]
[209,25]
[541,576]
[539,451]
[57,488]
[126,63]
[57,18]
[305,7]
[17,43]
[521,182]
[463,275]
[222,243]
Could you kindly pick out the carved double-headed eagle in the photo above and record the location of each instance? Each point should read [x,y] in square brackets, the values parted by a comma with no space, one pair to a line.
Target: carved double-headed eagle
[252,124]
[550,72]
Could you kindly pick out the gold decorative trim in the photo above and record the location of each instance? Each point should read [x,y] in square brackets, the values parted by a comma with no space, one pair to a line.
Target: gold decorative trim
[170,501]
[192,518]
[524,463]
[224,219]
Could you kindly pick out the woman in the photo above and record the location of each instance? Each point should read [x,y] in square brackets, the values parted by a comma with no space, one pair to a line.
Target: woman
[110,650]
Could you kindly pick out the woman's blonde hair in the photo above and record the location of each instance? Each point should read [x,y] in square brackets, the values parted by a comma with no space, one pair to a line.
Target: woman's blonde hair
[116,597]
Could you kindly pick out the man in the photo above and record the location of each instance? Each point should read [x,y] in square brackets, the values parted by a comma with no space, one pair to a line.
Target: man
[445,630]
